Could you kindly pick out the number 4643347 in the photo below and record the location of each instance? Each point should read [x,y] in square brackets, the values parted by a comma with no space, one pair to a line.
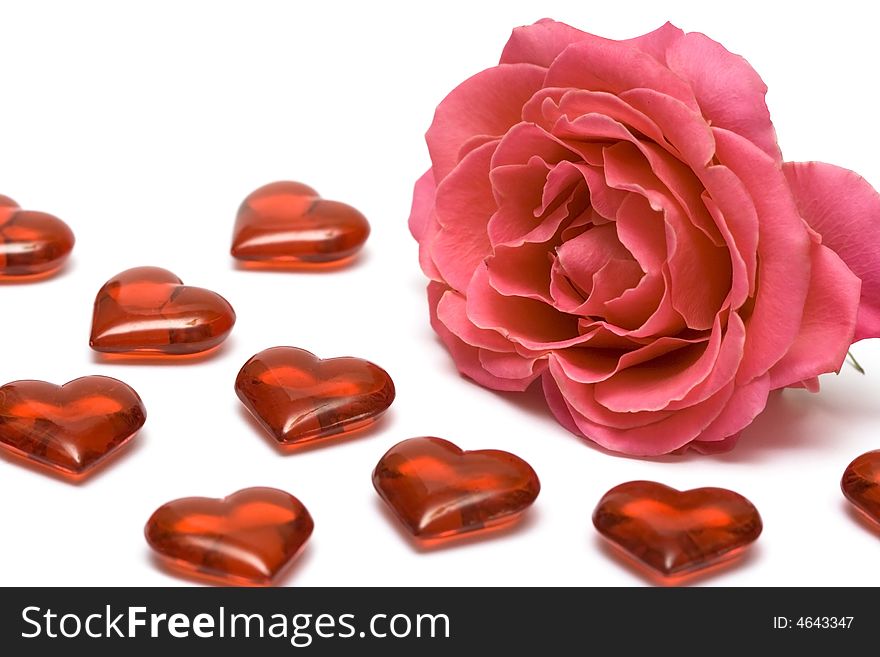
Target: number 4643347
[824,622]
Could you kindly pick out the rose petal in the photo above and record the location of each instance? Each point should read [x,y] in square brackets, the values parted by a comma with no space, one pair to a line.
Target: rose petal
[828,323]
[422,204]
[423,222]
[604,200]
[587,218]
[539,43]
[464,205]
[641,230]
[532,184]
[585,365]
[729,91]
[599,64]
[509,226]
[602,335]
[582,256]
[523,271]
[562,180]
[524,141]
[577,102]
[517,189]
[738,223]
[639,310]
[682,124]
[783,255]
[542,109]
[426,247]
[714,447]
[679,428]
[626,311]
[692,257]
[580,398]
[658,42]
[564,296]
[532,324]
[616,277]
[746,403]
[655,384]
[700,275]
[725,366]
[586,134]
[511,365]
[487,104]
[451,309]
[556,403]
[684,186]
[466,357]
[668,434]
[844,209]
[542,42]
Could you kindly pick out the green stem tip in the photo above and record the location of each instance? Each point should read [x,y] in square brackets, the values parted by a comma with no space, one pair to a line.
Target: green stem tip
[855,363]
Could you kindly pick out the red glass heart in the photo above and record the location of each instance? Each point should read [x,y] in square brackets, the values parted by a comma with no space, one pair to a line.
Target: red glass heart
[439,491]
[8,207]
[248,538]
[861,484]
[71,428]
[286,223]
[148,310]
[300,398]
[32,244]
[676,532]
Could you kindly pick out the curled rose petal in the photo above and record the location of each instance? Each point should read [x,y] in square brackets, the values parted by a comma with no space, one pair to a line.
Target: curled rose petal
[783,255]
[614,218]
[843,208]
[466,356]
[729,91]
[422,204]
[744,405]
[601,64]
[486,105]
[828,323]
[463,210]
[540,43]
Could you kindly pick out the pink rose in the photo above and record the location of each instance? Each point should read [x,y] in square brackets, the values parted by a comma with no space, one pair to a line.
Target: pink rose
[615,219]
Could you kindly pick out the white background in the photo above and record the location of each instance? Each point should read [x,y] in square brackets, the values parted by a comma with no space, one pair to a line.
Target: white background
[144,124]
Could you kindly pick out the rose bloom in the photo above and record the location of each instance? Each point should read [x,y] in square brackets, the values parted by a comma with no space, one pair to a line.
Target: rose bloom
[615,219]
